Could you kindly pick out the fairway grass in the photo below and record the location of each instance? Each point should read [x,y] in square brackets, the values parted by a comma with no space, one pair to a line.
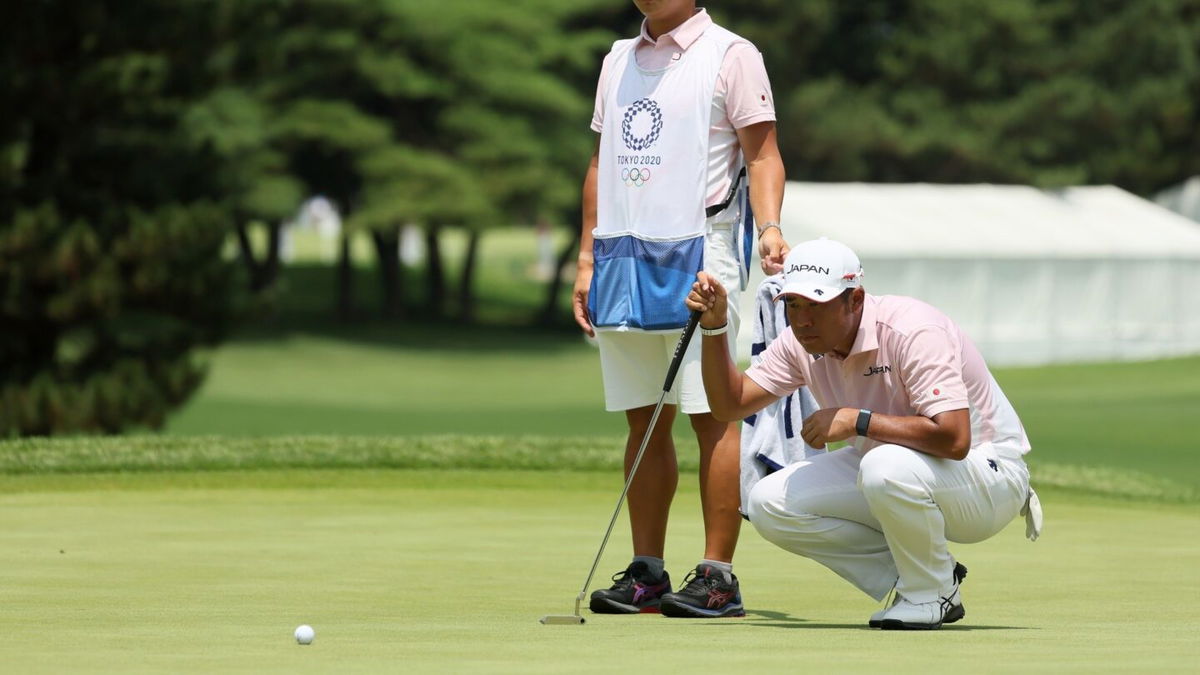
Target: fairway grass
[417,381]
[448,571]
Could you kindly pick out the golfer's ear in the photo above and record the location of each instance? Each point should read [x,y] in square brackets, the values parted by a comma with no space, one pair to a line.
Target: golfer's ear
[857,297]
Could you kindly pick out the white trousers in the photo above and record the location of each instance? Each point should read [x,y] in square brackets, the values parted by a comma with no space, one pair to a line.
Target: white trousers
[884,517]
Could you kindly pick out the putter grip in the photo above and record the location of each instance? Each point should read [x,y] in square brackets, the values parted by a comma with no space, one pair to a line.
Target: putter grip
[680,348]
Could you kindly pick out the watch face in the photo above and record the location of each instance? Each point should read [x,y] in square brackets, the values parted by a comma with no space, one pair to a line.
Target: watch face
[864,421]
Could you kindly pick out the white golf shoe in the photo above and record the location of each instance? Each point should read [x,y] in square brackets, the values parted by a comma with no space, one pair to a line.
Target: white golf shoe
[905,615]
[877,618]
[947,610]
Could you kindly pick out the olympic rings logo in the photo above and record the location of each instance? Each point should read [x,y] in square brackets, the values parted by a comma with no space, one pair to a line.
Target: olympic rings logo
[639,143]
[635,177]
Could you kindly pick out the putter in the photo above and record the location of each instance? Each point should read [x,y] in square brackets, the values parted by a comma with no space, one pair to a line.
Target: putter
[680,347]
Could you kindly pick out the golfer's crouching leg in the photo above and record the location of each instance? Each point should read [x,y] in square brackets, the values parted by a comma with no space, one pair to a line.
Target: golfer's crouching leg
[767,510]
[897,483]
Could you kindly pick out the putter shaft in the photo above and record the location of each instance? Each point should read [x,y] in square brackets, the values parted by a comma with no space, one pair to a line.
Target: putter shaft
[676,360]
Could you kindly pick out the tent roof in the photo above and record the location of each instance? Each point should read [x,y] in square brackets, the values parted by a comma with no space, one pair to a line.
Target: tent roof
[921,220]
[1183,199]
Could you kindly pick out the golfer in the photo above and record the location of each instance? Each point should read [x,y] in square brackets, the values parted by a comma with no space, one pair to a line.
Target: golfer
[937,449]
[686,146]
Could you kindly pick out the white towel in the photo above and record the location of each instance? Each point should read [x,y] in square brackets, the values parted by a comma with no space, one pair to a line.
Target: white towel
[1033,516]
[771,438]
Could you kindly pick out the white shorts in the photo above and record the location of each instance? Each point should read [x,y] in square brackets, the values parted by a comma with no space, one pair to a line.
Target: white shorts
[634,364]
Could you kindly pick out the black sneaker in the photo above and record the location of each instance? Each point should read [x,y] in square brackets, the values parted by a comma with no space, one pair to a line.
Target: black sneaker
[955,612]
[705,595]
[633,591]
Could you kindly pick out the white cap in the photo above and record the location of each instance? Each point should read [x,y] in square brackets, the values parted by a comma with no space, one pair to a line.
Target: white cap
[820,269]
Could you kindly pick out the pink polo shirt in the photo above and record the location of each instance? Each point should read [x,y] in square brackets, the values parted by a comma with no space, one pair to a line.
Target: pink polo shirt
[907,359]
[742,96]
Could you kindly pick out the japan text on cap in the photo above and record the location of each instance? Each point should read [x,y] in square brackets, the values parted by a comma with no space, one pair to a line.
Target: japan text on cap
[820,270]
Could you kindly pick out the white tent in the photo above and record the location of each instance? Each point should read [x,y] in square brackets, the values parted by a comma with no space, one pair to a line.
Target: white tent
[1183,199]
[1033,276]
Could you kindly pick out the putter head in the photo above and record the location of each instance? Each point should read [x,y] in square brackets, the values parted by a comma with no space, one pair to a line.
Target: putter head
[562,620]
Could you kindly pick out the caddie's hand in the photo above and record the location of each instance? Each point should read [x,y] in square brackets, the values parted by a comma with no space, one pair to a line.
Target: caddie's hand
[772,249]
[579,299]
[709,297]
[829,425]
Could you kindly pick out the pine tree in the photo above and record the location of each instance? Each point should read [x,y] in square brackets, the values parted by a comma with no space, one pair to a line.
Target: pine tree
[111,226]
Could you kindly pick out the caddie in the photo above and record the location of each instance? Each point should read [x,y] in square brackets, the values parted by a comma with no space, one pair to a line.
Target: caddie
[686,150]
[937,450]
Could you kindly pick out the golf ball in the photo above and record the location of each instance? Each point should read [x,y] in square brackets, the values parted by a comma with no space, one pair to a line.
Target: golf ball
[305,634]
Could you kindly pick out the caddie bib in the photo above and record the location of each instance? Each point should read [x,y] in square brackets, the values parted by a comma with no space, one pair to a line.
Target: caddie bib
[653,163]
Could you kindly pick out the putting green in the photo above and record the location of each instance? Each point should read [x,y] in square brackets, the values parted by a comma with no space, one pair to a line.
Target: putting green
[420,571]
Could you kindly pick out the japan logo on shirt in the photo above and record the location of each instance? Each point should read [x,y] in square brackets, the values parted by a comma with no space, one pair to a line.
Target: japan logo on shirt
[936,391]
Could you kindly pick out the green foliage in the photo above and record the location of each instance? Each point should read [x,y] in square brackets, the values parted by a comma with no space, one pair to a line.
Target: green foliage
[102,321]
[1046,92]
[410,184]
[409,111]
[464,113]
[254,177]
[111,223]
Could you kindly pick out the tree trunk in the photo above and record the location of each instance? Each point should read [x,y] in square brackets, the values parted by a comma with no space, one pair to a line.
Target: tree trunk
[549,313]
[270,266]
[466,292]
[247,252]
[345,281]
[263,274]
[387,250]
[434,273]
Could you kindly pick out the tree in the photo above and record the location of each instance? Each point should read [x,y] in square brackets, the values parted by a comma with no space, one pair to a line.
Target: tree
[459,114]
[488,125]
[111,226]
[1045,92]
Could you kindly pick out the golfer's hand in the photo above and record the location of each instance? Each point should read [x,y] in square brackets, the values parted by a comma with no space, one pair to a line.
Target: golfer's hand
[772,249]
[829,425]
[579,299]
[709,298]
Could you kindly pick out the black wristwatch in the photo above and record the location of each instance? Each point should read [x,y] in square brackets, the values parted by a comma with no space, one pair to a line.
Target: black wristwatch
[864,421]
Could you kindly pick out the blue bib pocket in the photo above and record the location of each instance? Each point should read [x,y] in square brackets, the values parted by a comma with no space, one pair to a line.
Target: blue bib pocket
[641,284]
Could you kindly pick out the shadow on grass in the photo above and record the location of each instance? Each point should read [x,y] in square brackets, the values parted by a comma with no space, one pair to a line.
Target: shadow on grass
[775,619]
[800,623]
